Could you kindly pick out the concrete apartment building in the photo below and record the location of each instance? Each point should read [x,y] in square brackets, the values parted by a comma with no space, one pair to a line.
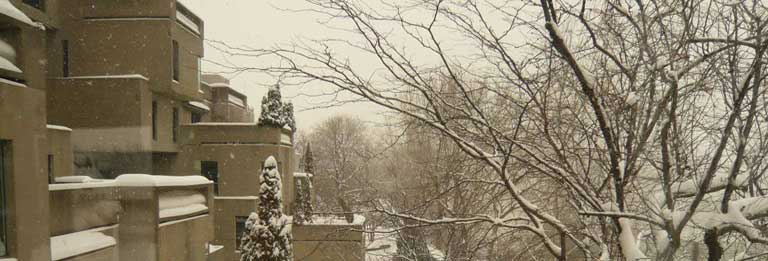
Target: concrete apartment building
[124,75]
[90,90]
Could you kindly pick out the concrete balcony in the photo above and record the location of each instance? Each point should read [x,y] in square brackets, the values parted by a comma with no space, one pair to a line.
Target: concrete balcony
[233,133]
[106,113]
[329,237]
[134,217]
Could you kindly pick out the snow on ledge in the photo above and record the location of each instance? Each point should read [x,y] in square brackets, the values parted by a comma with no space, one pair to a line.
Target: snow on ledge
[78,243]
[219,85]
[96,77]
[224,124]
[181,203]
[336,220]
[146,180]
[8,9]
[93,184]
[199,105]
[213,248]
[74,179]
[238,198]
[58,127]
[172,222]
[12,83]
[183,211]
[7,259]
[302,175]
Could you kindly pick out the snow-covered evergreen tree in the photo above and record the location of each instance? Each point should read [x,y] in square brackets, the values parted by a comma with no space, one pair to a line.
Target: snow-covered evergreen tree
[303,212]
[274,112]
[288,117]
[309,160]
[268,234]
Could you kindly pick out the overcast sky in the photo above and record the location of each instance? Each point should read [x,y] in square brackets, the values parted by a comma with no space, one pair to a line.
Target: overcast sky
[263,24]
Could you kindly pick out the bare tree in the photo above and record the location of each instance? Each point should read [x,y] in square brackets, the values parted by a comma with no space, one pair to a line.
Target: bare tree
[341,152]
[634,115]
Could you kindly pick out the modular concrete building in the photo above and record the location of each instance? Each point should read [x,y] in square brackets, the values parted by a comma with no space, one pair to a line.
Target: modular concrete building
[90,90]
[124,75]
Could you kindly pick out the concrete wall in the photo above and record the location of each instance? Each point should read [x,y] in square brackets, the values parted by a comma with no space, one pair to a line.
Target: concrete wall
[315,242]
[227,209]
[222,110]
[144,237]
[239,150]
[74,210]
[107,114]
[23,127]
[185,241]
[60,147]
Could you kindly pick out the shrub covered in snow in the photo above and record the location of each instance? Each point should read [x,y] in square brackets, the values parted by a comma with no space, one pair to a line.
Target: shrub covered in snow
[267,234]
[274,112]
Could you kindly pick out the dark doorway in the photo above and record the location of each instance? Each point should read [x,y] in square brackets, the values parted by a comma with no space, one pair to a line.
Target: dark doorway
[210,170]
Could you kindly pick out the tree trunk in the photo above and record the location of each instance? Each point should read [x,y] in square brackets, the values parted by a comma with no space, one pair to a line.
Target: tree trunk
[714,249]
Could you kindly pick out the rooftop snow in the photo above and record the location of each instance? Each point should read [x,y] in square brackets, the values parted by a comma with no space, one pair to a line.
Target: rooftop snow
[145,180]
[78,243]
[57,127]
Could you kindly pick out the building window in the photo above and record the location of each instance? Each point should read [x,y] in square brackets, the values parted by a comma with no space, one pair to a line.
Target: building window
[210,170]
[199,73]
[39,4]
[236,100]
[197,117]
[51,178]
[175,129]
[65,57]
[239,230]
[5,159]
[154,120]
[175,60]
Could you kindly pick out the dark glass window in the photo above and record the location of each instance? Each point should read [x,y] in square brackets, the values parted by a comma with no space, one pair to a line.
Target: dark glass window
[51,176]
[175,129]
[210,170]
[39,4]
[197,117]
[5,159]
[154,120]
[65,57]
[175,60]
[239,229]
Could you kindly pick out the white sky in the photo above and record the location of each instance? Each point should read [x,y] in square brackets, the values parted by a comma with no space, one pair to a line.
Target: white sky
[262,24]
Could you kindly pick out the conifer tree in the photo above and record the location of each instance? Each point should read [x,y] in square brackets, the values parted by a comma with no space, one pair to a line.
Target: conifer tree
[274,112]
[268,232]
